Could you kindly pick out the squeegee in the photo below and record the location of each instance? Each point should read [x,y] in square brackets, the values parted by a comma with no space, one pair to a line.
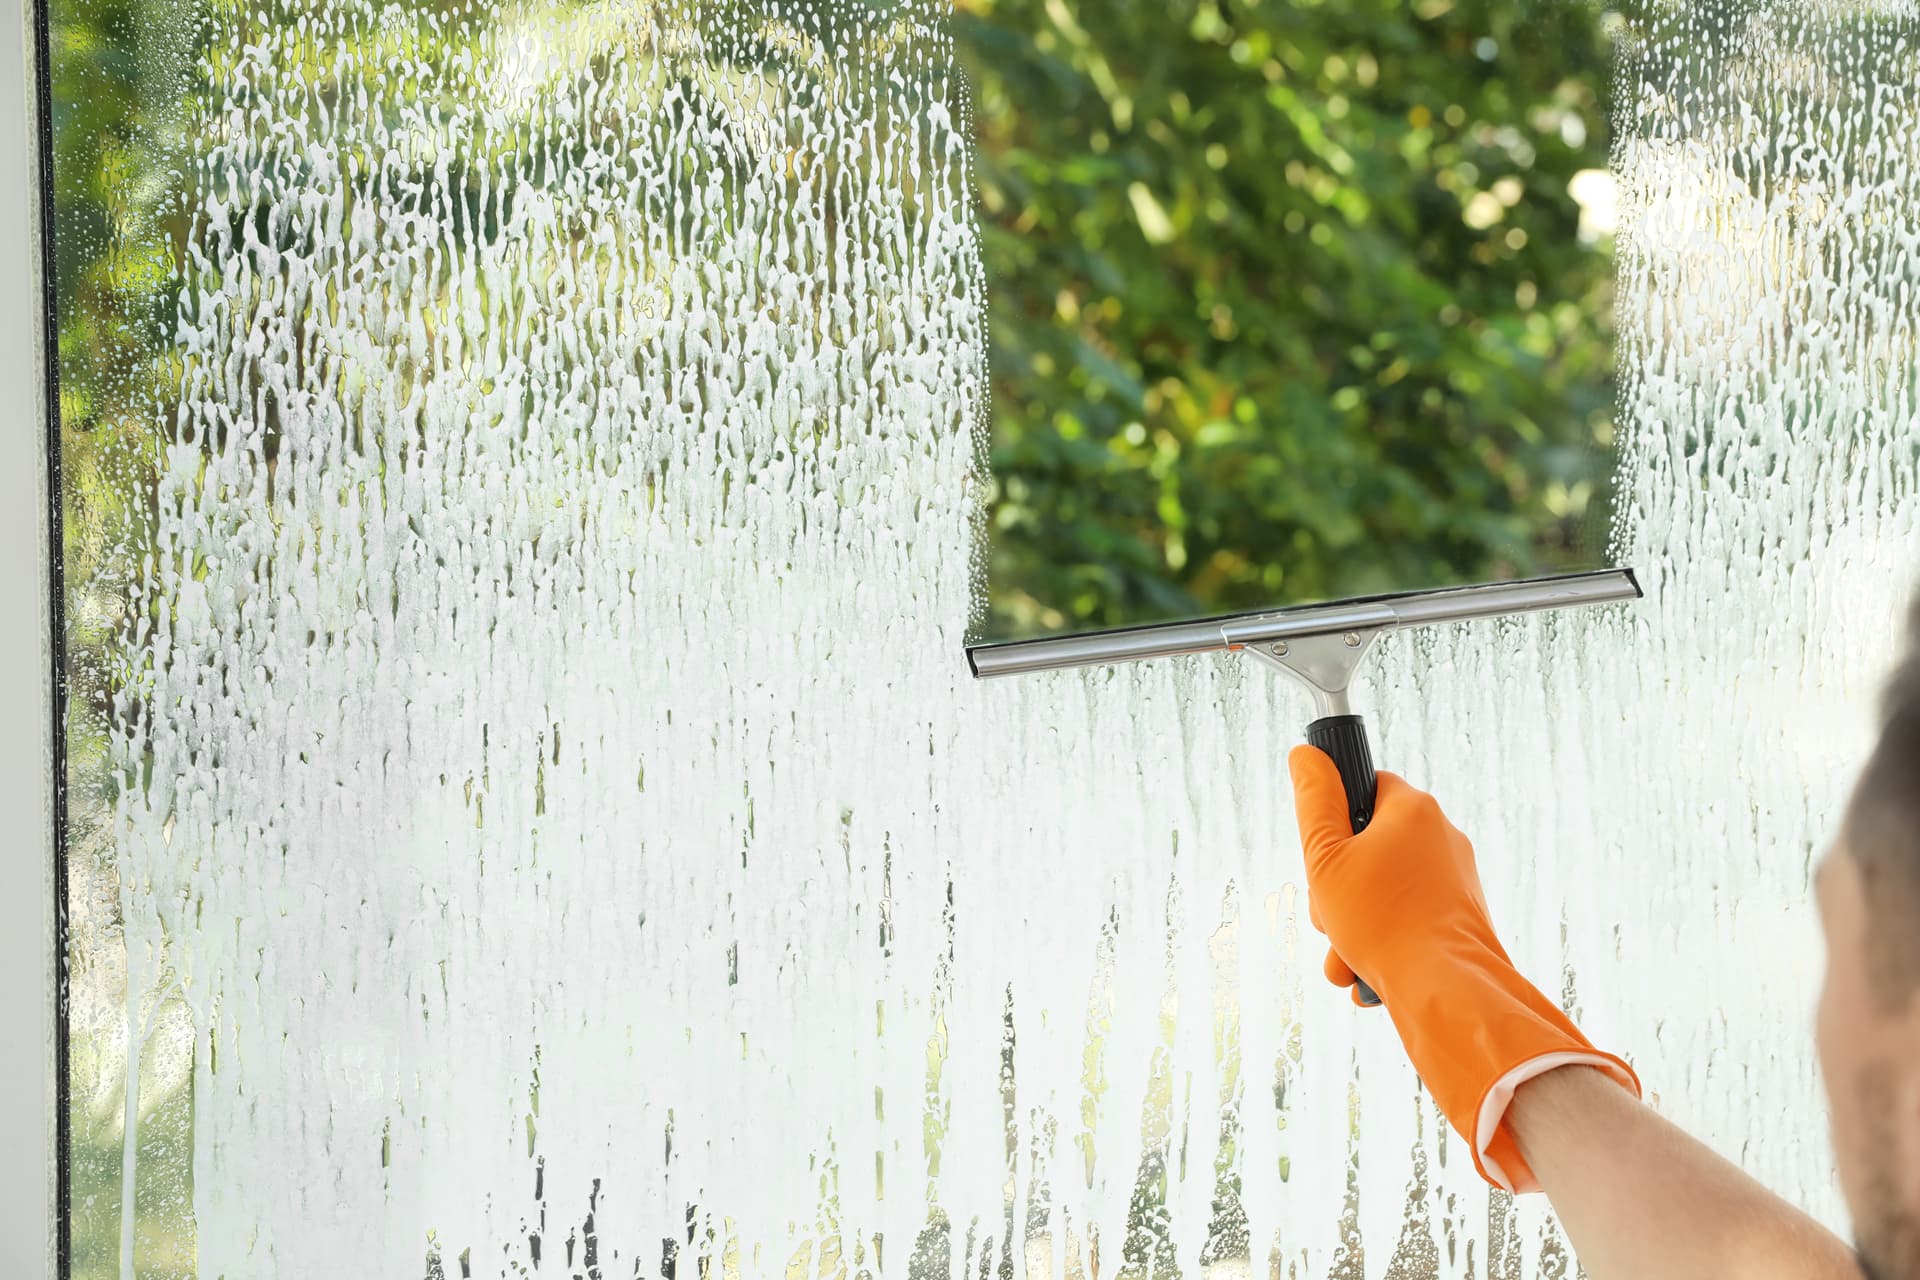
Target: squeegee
[1320,645]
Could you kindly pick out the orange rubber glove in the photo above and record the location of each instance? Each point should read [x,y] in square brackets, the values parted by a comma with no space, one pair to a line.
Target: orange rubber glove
[1402,905]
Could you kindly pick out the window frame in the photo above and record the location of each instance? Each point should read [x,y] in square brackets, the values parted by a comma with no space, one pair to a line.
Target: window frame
[32,1174]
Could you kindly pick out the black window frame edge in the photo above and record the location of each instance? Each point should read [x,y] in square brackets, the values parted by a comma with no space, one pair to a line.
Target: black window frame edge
[38,66]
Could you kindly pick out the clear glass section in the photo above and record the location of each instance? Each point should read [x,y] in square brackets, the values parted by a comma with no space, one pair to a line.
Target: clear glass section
[523,490]
[1290,302]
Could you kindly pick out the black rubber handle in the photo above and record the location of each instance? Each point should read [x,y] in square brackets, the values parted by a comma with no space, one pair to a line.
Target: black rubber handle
[1345,739]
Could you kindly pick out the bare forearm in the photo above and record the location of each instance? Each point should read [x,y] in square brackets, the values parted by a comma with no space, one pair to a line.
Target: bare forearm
[1640,1199]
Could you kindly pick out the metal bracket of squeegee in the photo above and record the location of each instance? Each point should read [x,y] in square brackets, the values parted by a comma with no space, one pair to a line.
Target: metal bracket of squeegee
[1320,648]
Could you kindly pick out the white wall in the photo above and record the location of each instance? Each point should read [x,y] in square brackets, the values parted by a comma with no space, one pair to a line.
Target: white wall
[26,1005]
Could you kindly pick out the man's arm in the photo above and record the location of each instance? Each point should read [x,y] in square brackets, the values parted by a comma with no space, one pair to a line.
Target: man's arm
[1640,1199]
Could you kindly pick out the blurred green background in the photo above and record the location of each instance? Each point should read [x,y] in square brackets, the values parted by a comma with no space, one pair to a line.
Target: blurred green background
[1289,300]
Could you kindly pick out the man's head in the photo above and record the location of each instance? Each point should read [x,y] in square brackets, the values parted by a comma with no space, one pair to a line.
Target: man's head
[1869,1023]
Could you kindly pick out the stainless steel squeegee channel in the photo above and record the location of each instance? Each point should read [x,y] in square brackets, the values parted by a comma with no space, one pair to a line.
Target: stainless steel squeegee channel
[1235,631]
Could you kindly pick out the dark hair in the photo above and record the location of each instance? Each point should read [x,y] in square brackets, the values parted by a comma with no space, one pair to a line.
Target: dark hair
[1883,834]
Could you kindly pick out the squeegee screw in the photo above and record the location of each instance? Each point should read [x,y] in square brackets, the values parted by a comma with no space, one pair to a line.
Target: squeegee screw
[1351,639]
[1280,649]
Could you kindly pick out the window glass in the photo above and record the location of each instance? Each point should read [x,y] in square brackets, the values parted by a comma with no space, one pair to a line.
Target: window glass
[1290,302]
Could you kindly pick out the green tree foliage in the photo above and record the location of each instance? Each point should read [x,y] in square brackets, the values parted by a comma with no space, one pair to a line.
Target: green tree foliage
[1288,300]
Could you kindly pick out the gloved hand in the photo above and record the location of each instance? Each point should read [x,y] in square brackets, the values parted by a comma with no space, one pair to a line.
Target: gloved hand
[1402,905]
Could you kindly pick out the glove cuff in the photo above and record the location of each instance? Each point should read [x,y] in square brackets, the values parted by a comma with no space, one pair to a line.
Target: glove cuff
[1476,1030]
[1496,1154]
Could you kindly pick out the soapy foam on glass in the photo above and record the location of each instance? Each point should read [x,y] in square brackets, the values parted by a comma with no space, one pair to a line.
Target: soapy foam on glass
[558,825]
